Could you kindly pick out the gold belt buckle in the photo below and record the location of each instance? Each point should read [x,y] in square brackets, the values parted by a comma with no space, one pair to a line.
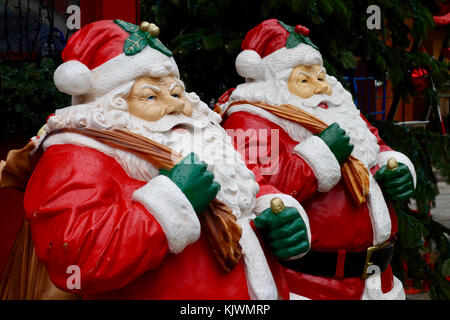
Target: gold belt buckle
[368,263]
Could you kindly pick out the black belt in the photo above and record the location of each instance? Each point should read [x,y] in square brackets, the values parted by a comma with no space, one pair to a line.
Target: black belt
[357,264]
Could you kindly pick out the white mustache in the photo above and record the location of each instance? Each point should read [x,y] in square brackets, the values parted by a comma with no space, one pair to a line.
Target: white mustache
[169,121]
[333,100]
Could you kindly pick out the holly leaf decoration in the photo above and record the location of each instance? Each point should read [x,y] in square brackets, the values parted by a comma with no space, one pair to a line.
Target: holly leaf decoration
[289,28]
[129,27]
[295,38]
[139,39]
[155,43]
[135,43]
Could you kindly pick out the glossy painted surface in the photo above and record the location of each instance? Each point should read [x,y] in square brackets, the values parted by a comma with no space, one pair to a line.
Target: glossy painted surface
[337,141]
[196,182]
[265,38]
[78,202]
[92,53]
[336,222]
[285,232]
[306,81]
[398,184]
[152,98]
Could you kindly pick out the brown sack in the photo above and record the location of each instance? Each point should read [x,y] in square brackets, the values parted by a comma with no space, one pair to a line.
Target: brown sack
[16,170]
[25,276]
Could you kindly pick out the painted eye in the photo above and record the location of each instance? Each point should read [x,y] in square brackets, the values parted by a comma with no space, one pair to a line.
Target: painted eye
[304,80]
[175,95]
[151,98]
[320,79]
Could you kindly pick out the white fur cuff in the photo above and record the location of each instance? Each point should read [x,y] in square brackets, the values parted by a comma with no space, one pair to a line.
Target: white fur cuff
[383,157]
[322,161]
[167,203]
[263,202]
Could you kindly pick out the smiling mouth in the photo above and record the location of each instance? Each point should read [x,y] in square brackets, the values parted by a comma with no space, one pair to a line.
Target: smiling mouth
[323,105]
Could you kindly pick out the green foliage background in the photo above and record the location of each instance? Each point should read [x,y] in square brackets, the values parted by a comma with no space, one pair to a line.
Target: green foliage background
[205,36]
[27,96]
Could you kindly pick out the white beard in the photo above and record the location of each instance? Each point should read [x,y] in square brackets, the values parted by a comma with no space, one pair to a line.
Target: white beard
[200,134]
[212,145]
[341,110]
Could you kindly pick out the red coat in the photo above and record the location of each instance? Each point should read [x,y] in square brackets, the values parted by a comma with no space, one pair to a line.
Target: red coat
[336,223]
[80,205]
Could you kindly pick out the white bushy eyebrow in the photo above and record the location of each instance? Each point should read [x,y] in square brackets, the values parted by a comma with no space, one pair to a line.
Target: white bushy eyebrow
[305,73]
[322,69]
[150,86]
[309,75]
[174,85]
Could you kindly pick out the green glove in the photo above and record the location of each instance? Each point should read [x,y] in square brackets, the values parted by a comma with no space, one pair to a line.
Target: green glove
[191,176]
[397,184]
[337,141]
[286,232]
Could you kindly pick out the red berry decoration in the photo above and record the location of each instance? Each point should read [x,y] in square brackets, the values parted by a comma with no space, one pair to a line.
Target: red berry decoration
[419,78]
[302,30]
[422,48]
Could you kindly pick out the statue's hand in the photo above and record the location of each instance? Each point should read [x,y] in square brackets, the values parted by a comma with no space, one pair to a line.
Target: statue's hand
[397,184]
[196,182]
[338,142]
[286,232]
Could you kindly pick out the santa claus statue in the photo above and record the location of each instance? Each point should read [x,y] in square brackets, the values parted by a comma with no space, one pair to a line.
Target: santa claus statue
[98,202]
[351,242]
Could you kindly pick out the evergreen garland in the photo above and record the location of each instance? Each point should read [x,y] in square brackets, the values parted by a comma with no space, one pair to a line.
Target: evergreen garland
[418,233]
[28,96]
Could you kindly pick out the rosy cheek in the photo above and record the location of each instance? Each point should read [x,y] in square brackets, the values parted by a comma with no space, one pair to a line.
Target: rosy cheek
[306,91]
[135,107]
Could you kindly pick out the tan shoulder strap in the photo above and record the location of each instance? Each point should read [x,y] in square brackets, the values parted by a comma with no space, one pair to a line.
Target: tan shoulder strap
[355,175]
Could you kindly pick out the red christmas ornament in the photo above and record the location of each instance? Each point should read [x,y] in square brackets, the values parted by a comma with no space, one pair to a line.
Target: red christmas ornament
[419,78]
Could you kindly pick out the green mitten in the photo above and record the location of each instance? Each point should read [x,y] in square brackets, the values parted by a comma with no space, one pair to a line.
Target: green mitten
[196,182]
[397,184]
[286,232]
[337,141]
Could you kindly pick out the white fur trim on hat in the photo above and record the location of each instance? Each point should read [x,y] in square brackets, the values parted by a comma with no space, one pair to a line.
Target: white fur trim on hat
[172,210]
[123,68]
[249,65]
[322,161]
[73,77]
[284,59]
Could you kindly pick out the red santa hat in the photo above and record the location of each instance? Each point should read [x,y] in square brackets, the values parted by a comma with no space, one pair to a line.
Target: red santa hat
[106,54]
[272,46]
